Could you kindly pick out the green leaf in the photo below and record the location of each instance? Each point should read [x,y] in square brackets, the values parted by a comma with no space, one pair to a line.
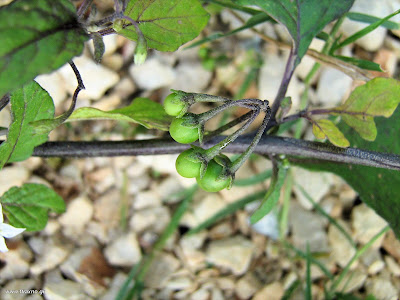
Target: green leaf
[27,206]
[327,129]
[355,16]
[378,188]
[359,34]
[142,110]
[98,45]
[304,19]
[361,63]
[166,25]
[37,36]
[378,97]
[271,198]
[253,21]
[29,103]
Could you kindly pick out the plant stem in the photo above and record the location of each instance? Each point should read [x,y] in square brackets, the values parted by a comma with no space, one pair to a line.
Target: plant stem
[245,155]
[229,125]
[216,149]
[314,151]
[253,104]
[287,76]
[83,8]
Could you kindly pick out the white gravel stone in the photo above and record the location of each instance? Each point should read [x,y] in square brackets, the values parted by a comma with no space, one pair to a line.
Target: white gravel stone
[374,40]
[155,218]
[19,285]
[152,75]
[382,288]
[54,84]
[51,256]
[114,288]
[271,74]
[191,77]
[65,290]
[352,281]
[96,78]
[203,209]
[107,209]
[12,176]
[247,286]
[308,228]
[333,86]
[342,250]
[78,214]
[160,163]
[315,184]
[240,252]
[366,223]
[16,266]
[268,226]
[146,199]
[124,251]
[160,270]
[392,265]
[272,291]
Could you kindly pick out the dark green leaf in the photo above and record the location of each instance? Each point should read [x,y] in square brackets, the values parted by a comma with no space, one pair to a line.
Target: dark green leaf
[271,198]
[27,206]
[253,21]
[99,46]
[166,25]
[37,36]
[361,63]
[364,31]
[28,104]
[304,19]
[372,19]
[378,188]
[142,110]
[230,4]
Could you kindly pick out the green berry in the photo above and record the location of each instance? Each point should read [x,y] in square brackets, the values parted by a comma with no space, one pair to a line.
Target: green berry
[173,105]
[185,167]
[209,182]
[183,134]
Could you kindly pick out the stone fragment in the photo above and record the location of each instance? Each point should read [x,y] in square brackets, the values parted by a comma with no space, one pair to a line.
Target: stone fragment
[147,199]
[20,289]
[15,263]
[352,281]
[273,291]
[153,74]
[366,224]
[308,228]
[54,84]
[240,249]
[78,214]
[392,265]
[65,290]
[124,251]
[342,250]
[114,287]
[50,256]
[96,78]
[160,270]
[191,76]
[382,288]
[315,184]
[155,218]
[247,286]
[373,40]
[12,176]
[333,86]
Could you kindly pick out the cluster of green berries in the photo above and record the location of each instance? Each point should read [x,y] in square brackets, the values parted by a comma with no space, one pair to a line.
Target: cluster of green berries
[187,165]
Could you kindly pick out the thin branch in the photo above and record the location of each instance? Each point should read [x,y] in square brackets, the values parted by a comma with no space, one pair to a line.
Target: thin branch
[4,101]
[83,8]
[267,145]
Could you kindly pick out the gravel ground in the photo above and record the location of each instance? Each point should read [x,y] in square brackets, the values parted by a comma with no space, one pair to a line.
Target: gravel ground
[118,207]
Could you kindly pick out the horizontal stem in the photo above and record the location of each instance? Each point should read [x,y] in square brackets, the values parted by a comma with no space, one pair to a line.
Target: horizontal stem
[267,145]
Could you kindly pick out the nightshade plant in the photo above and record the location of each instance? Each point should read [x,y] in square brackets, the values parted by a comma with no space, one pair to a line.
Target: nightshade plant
[39,36]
